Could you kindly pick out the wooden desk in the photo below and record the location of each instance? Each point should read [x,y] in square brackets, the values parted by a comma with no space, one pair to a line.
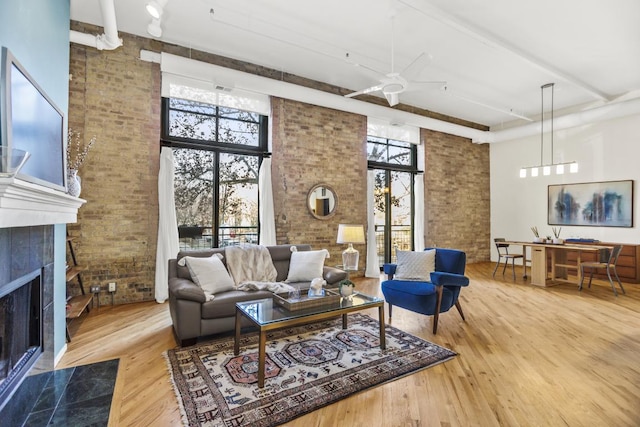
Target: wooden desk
[559,265]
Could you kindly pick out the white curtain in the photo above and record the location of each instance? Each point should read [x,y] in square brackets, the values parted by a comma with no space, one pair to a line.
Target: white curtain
[418,190]
[373,266]
[168,246]
[267,216]
[418,217]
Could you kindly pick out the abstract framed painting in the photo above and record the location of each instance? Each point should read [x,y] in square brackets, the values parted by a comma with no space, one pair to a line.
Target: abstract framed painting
[597,204]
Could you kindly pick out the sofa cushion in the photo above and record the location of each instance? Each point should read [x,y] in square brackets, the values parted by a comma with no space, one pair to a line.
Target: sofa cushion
[415,265]
[183,270]
[210,274]
[306,265]
[224,305]
[281,257]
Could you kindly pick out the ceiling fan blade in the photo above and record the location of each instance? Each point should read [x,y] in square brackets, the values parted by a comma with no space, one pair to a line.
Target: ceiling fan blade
[392,98]
[365,91]
[365,69]
[416,86]
[413,70]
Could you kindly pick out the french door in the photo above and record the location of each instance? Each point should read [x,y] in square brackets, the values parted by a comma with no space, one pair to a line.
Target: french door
[393,213]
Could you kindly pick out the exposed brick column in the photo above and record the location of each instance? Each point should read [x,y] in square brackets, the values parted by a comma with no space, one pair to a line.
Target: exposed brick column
[313,145]
[457,194]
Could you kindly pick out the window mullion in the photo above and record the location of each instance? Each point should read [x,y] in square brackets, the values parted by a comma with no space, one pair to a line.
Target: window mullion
[215,221]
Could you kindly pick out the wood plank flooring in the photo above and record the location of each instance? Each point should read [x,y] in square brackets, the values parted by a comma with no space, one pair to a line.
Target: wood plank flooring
[527,356]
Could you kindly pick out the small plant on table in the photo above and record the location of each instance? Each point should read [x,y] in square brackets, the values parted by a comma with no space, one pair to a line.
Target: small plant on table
[346,287]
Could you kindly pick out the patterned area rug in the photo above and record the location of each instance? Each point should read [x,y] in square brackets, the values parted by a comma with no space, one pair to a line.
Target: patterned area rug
[307,367]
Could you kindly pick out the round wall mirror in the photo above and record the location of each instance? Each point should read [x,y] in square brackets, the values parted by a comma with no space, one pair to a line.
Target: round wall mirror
[322,201]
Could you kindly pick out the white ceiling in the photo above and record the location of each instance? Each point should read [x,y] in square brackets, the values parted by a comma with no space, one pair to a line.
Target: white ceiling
[493,54]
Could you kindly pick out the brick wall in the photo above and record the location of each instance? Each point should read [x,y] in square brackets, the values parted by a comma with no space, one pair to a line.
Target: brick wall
[457,199]
[313,145]
[116,97]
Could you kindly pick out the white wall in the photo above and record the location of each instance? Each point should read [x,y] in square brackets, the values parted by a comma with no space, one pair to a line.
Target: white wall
[605,151]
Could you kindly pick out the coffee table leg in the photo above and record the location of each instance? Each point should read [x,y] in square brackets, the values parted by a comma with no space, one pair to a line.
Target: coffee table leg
[261,358]
[383,341]
[344,321]
[236,342]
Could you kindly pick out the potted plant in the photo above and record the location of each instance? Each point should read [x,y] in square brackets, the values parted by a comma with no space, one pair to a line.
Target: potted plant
[346,287]
[556,233]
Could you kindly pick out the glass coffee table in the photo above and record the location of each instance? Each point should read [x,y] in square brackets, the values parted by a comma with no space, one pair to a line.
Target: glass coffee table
[267,315]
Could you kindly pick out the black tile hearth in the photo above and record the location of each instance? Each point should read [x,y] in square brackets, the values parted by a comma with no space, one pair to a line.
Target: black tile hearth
[72,397]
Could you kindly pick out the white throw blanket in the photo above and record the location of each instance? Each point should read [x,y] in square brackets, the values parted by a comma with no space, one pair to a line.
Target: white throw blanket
[252,269]
[275,287]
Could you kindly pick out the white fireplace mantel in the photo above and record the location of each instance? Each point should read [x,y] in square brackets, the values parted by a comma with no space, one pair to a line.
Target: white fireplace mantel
[24,204]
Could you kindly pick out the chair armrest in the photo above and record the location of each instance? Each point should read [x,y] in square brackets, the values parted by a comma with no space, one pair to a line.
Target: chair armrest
[333,275]
[440,278]
[186,289]
[389,270]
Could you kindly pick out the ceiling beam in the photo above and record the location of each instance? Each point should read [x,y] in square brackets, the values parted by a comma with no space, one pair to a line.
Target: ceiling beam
[490,39]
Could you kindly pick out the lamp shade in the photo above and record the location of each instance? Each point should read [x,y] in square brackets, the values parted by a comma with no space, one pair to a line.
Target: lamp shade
[349,233]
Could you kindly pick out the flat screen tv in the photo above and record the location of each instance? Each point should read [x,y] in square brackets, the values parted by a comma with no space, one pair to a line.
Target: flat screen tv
[30,121]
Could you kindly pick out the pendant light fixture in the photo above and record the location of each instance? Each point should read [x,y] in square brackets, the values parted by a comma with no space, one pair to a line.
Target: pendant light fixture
[547,169]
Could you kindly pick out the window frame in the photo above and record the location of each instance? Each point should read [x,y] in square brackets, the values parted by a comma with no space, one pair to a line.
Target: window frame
[412,169]
[217,148]
[413,150]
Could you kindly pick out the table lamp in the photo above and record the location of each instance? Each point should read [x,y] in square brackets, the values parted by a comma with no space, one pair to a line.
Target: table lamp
[349,233]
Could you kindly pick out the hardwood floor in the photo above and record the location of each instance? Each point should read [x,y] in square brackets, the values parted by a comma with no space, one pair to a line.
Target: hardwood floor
[527,356]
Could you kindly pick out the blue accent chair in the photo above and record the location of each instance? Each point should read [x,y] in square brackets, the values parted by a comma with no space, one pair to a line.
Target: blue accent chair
[430,298]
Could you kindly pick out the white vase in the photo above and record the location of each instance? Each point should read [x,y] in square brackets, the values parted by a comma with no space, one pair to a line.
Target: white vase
[73,183]
[346,291]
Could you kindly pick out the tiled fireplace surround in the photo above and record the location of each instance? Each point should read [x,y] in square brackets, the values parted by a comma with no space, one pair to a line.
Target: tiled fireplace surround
[23,250]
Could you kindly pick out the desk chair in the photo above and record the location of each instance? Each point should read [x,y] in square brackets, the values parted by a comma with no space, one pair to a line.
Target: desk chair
[503,252]
[606,263]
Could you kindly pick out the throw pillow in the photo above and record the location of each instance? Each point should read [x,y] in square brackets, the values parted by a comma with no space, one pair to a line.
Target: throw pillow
[210,274]
[415,265]
[306,265]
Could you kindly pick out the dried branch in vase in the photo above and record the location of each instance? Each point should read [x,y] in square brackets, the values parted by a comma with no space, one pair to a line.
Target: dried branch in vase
[535,231]
[77,149]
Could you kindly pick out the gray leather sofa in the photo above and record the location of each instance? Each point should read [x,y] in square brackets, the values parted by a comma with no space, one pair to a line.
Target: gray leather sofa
[195,317]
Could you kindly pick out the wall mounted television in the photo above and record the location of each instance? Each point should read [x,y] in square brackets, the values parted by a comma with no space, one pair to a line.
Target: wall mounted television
[31,121]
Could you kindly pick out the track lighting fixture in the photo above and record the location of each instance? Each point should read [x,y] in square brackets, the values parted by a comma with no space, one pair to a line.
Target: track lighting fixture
[155,8]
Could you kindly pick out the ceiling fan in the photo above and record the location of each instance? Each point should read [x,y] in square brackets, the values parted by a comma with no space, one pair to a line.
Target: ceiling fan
[393,84]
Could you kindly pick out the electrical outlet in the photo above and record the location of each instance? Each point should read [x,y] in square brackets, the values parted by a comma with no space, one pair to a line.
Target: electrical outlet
[112,286]
[95,289]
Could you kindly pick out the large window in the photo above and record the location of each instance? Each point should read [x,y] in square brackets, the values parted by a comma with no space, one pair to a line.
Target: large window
[394,163]
[217,151]
[390,153]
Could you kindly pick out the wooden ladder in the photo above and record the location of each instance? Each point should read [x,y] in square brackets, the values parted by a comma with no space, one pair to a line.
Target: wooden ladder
[76,305]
